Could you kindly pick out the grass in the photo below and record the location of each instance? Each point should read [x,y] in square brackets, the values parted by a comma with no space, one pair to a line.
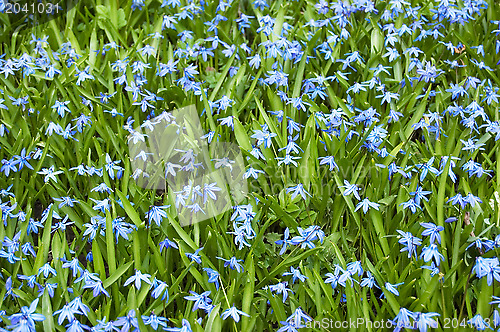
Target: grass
[456,292]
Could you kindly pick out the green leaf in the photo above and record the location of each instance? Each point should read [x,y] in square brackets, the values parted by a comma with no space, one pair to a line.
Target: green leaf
[129,209]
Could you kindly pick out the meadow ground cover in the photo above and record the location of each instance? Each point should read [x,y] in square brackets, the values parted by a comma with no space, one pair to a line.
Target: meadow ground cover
[363,193]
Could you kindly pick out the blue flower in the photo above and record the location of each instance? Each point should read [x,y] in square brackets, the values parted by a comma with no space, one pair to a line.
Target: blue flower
[290,326]
[472,200]
[67,312]
[402,319]
[263,137]
[233,263]
[285,242]
[165,244]
[308,235]
[65,201]
[26,318]
[427,167]
[194,256]
[234,313]
[30,280]
[46,269]
[75,267]
[7,166]
[429,73]
[393,288]
[471,145]
[295,273]
[213,276]
[298,190]
[432,230]
[418,194]
[339,277]
[157,214]
[479,323]
[331,162]
[369,281]
[456,91]
[287,160]
[22,159]
[355,267]
[457,199]
[496,318]
[137,278]
[433,268]
[450,219]
[50,287]
[160,289]
[366,204]
[295,319]
[351,189]
[227,121]
[252,172]
[128,322]
[49,173]
[155,321]
[77,304]
[411,204]
[186,327]
[432,252]
[201,301]
[488,267]
[96,286]
[111,166]
[280,288]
